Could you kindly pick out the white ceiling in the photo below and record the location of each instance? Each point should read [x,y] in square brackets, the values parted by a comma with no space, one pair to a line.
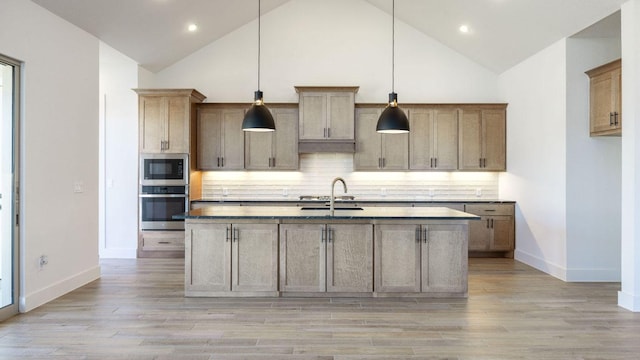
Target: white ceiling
[503,32]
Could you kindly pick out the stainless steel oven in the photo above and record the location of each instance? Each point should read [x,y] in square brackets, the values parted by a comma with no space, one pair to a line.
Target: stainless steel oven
[164,169]
[158,204]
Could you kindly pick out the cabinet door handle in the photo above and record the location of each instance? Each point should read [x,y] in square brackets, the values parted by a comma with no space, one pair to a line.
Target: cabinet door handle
[484,162]
[610,119]
[384,163]
[167,145]
[418,234]
[615,114]
[488,224]
[328,132]
[164,242]
[430,162]
[325,133]
[274,162]
[379,163]
[323,237]
[425,235]
[236,234]
[480,162]
[492,223]
[218,161]
[228,234]
[330,231]
[222,161]
[435,162]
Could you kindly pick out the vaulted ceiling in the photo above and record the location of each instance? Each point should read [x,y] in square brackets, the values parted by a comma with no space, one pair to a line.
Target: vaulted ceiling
[501,32]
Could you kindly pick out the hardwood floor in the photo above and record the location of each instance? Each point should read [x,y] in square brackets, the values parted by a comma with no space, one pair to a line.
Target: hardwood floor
[137,311]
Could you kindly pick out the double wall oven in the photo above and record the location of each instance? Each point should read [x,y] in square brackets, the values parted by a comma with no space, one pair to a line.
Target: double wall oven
[164,190]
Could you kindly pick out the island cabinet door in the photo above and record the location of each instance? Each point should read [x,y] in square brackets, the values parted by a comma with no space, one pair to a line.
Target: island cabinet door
[349,258]
[302,258]
[397,258]
[444,258]
[207,257]
[255,257]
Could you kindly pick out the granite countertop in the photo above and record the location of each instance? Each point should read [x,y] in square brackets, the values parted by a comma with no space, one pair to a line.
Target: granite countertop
[286,212]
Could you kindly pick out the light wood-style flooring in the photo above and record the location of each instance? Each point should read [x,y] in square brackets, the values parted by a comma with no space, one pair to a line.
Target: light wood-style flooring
[137,311]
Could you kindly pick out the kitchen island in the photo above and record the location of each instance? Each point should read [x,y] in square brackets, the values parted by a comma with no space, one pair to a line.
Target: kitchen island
[306,251]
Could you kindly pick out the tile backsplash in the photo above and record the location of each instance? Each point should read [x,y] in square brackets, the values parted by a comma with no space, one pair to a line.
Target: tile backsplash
[318,170]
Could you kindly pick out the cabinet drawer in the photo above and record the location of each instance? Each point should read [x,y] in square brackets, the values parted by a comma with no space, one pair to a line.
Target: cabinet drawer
[489,209]
[162,240]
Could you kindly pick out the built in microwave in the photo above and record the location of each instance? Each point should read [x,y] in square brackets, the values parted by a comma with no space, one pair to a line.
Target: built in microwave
[164,169]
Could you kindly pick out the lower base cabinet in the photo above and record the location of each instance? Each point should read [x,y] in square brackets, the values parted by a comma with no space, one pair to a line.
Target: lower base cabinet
[420,258]
[161,244]
[495,232]
[319,258]
[231,259]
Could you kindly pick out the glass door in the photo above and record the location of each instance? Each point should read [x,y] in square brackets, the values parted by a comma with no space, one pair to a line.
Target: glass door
[9,93]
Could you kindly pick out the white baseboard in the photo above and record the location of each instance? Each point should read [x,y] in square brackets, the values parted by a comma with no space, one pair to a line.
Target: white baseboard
[541,264]
[629,301]
[118,253]
[43,296]
[566,274]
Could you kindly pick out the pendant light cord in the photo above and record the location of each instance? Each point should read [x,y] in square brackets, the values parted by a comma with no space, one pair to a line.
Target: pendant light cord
[393,44]
[259,1]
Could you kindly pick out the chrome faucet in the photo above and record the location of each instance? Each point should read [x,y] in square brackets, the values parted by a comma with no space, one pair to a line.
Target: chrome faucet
[332,200]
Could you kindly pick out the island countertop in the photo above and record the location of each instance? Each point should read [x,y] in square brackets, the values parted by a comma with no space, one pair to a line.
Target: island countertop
[341,213]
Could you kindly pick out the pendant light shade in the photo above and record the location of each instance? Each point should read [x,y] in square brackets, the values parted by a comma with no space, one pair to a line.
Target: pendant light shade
[393,120]
[258,118]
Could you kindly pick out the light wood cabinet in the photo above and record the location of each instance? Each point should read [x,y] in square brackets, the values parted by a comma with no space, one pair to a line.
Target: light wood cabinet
[165,119]
[231,259]
[220,137]
[605,99]
[495,232]
[420,258]
[433,139]
[375,151]
[276,150]
[334,258]
[482,139]
[156,243]
[326,118]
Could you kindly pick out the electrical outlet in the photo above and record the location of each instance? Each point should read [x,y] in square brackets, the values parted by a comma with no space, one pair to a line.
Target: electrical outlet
[285,192]
[383,192]
[478,192]
[42,261]
[225,191]
[78,187]
[432,192]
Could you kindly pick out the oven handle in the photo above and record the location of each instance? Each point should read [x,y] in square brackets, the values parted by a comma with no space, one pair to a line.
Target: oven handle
[162,195]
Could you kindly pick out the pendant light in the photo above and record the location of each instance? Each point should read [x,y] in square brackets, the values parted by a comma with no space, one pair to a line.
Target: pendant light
[393,120]
[258,118]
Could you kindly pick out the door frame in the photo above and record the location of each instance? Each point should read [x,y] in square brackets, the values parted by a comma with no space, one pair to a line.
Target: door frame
[12,309]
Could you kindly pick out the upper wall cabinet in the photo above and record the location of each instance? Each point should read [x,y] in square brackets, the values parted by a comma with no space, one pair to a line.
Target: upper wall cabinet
[482,138]
[433,139]
[605,94]
[326,119]
[375,151]
[275,150]
[166,117]
[220,136]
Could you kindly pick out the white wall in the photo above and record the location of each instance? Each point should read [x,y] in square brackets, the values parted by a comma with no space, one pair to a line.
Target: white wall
[593,172]
[118,158]
[536,152]
[59,147]
[629,296]
[312,43]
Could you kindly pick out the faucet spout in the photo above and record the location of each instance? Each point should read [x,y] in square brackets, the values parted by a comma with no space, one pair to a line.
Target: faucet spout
[332,199]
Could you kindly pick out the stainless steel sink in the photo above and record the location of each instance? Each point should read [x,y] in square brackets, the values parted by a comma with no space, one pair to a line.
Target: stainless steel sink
[327,208]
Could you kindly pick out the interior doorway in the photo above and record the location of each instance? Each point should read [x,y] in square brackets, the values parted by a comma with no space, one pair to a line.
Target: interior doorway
[9,200]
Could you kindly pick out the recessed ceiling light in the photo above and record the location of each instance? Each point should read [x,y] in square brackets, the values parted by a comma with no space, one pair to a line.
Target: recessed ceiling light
[192,27]
[464,29]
